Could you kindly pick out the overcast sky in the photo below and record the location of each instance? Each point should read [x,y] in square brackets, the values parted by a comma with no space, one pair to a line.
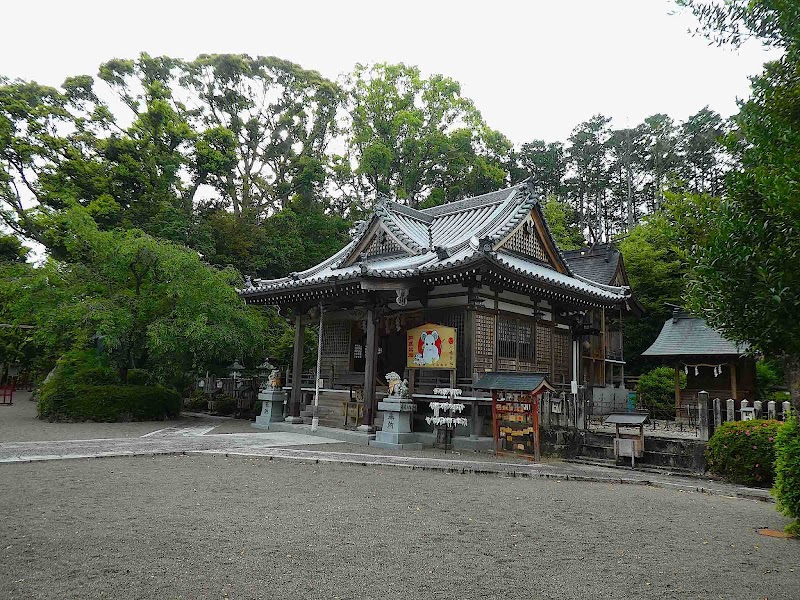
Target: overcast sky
[535,69]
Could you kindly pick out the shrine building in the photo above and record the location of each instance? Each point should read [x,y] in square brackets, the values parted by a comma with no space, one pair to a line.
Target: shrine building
[488,268]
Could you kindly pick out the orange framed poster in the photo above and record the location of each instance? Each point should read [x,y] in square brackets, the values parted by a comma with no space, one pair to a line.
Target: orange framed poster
[431,346]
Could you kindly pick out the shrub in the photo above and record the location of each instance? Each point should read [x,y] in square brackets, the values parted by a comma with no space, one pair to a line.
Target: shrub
[138,377]
[76,367]
[224,405]
[744,452]
[122,402]
[196,401]
[787,472]
[657,390]
[82,387]
[768,376]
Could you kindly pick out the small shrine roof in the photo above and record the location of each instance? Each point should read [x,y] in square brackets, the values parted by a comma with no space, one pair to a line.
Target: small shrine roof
[513,381]
[684,335]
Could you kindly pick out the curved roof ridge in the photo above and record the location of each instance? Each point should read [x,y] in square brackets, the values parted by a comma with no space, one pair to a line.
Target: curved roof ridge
[397,228]
[407,211]
[616,289]
[504,210]
[496,197]
[328,262]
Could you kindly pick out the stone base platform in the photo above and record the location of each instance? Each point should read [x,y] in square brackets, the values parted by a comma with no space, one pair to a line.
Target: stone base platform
[391,446]
[343,435]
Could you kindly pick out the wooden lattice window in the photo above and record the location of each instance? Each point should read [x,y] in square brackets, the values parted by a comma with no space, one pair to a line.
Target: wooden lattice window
[526,241]
[561,348]
[525,341]
[381,244]
[484,337]
[336,338]
[506,338]
[544,335]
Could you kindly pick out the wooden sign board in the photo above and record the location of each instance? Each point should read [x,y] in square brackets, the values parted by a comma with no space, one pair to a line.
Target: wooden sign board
[431,346]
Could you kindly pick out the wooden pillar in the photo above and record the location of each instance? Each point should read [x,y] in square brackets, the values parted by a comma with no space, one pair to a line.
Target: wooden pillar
[553,322]
[733,381]
[297,372]
[370,366]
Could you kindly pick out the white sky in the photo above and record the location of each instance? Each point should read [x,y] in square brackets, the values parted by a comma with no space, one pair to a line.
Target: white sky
[535,69]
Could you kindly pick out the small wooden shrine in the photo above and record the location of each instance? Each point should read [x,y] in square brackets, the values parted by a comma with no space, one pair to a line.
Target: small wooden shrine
[711,362]
[442,295]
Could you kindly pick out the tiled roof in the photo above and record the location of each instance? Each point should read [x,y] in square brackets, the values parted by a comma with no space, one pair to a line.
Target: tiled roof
[440,238]
[684,335]
[597,263]
[516,381]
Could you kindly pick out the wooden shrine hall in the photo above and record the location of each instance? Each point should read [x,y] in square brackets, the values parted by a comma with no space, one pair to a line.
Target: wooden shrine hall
[487,267]
[711,362]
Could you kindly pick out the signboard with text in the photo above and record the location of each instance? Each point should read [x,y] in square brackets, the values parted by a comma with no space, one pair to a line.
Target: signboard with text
[431,346]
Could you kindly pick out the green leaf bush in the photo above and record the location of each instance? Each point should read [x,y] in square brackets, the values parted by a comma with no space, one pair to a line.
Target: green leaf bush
[657,391]
[82,387]
[787,472]
[744,452]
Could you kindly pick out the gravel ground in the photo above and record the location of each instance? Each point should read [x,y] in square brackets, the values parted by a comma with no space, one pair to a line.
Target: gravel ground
[192,527]
[18,423]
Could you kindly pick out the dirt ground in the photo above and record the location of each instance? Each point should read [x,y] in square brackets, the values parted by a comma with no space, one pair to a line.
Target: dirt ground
[208,526]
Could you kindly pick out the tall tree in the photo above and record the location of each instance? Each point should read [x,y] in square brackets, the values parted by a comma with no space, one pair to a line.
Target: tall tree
[545,163]
[416,138]
[281,118]
[746,281]
[588,160]
[702,155]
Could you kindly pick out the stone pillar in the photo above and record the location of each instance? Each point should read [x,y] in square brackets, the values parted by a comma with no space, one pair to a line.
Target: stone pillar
[731,408]
[370,367]
[297,372]
[785,407]
[771,409]
[702,407]
[396,432]
[744,404]
[717,412]
[476,422]
[757,406]
[271,408]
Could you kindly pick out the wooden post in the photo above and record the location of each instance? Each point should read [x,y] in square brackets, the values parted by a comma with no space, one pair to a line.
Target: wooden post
[603,343]
[733,381]
[495,428]
[536,445]
[297,371]
[370,366]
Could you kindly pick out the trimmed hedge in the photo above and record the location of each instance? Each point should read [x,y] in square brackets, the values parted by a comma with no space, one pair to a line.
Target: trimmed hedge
[82,388]
[122,403]
[787,472]
[744,452]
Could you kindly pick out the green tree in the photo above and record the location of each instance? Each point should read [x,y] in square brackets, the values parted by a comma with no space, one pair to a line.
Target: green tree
[152,304]
[588,159]
[658,256]
[562,220]
[545,163]
[280,118]
[12,250]
[702,155]
[415,138]
[746,281]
